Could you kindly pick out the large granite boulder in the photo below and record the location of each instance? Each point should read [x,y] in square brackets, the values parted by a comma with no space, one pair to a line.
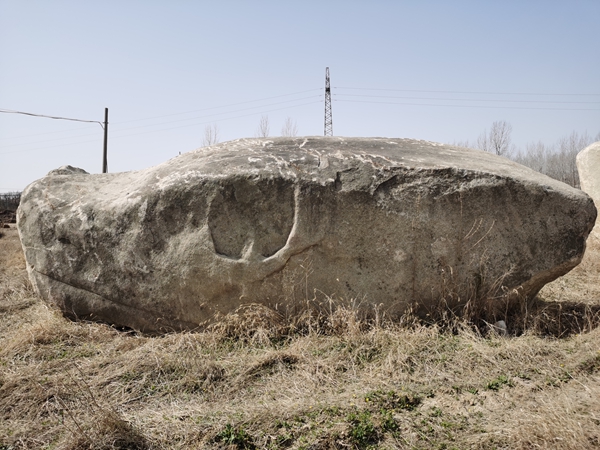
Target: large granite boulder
[277,221]
[588,166]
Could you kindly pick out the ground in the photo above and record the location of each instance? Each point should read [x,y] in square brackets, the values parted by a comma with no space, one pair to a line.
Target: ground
[328,380]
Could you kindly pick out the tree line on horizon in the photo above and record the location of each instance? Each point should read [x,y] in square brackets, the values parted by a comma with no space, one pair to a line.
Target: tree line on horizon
[9,201]
[556,160]
[289,129]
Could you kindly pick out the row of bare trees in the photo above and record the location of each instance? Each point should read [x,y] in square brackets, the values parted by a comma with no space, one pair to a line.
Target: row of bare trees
[289,129]
[10,201]
[556,160]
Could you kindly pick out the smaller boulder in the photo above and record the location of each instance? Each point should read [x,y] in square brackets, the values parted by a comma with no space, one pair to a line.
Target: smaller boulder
[588,166]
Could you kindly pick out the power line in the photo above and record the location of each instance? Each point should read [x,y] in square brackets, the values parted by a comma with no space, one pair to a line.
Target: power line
[223,106]
[217,114]
[328,118]
[116,131]
[103,125]
[468,99]
[218,120]
[166,115]
[9,111]
[465,92]
[163,129]
[470,106]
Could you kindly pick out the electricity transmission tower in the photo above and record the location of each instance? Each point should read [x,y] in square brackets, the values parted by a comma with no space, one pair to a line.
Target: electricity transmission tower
[328,116]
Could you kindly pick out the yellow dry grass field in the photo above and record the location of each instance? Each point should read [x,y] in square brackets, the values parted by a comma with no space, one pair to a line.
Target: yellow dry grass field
[326,380]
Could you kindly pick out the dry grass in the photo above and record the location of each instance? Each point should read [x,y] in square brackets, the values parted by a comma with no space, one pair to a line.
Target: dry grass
[326,379]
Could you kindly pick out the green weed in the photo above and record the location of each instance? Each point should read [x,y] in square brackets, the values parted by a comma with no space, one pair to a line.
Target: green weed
[393,400]
[496,384]
[362,430]
[235,436]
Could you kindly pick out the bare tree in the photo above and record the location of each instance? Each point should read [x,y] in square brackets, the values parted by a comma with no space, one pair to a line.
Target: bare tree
[498,140]
[483,142]
[568,148]
[263,127]
[211,135]
[289,128]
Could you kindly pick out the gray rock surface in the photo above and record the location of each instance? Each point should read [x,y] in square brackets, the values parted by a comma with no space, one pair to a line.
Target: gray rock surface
[588,166]
[276,221]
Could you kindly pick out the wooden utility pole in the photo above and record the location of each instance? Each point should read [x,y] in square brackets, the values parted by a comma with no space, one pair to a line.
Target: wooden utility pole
[105,156]
[105,126]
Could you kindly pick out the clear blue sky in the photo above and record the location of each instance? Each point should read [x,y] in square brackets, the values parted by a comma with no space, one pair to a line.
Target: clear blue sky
[166,69]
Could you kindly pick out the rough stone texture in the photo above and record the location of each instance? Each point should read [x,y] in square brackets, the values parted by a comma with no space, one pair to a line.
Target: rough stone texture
[588,166]
[275,221]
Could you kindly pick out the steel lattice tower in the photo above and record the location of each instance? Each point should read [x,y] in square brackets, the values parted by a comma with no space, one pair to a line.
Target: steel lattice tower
[328,115]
